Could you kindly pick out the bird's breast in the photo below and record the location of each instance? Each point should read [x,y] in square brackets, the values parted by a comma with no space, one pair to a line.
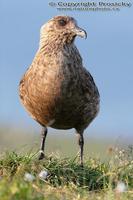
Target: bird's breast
[40,93]
[52,92]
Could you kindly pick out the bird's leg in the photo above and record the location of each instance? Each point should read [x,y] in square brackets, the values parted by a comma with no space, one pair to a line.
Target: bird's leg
[44,134]
[81,145]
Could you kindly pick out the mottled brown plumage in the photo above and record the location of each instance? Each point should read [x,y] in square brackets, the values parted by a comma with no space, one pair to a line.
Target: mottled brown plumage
[57,90]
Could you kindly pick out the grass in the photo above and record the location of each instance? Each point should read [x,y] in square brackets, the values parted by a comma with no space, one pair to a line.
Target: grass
[97,180]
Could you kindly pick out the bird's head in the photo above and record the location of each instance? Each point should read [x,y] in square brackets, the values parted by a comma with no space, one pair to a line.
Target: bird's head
[63,29]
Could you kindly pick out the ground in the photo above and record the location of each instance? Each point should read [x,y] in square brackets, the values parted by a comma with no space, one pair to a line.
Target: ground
[63,178]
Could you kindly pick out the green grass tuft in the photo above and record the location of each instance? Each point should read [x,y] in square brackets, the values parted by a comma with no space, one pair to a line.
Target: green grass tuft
[66,179]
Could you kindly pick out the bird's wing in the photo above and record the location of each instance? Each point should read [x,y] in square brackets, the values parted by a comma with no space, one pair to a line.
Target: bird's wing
[88,84]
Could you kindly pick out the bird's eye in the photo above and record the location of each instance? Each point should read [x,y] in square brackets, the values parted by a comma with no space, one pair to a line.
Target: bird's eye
[62,22]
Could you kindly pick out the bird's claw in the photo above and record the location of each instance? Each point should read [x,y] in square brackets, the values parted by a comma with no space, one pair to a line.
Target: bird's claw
[81,165]
[41,156]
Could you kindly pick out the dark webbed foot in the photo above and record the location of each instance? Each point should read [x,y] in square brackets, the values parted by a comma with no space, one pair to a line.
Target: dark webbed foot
[44,134]
[41,155]
[81,164]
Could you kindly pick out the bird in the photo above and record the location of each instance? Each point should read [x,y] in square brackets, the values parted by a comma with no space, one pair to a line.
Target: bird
[57,90]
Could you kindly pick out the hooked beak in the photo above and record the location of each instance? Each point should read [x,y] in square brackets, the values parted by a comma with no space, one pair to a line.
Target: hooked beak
[80,32]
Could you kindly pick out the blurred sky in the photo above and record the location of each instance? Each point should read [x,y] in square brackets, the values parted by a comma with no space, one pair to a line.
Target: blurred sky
[107,54]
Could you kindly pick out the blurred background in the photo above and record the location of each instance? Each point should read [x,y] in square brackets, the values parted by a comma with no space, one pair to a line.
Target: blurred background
[107,54]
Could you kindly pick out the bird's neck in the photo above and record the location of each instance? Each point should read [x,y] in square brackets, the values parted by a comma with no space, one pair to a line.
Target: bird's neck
[54,44]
